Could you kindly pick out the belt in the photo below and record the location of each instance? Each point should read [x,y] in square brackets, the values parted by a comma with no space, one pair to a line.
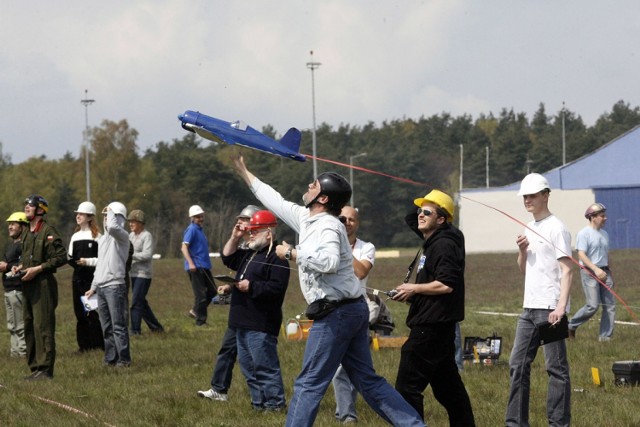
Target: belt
[347,301]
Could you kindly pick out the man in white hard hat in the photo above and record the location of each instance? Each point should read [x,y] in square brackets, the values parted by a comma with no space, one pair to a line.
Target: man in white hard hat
[110,284]
[197,264]
[592,244]
[544,252]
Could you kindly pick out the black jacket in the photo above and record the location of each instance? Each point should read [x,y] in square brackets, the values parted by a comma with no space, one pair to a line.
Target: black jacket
[260,309]
[443,259]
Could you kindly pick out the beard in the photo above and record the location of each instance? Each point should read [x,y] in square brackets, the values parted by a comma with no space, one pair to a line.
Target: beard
[259,243]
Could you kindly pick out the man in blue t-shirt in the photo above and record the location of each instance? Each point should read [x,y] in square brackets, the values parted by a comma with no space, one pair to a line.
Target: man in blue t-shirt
[197,264]
[592,244]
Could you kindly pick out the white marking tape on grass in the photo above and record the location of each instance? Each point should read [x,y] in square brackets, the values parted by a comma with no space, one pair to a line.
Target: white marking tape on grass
[496,313]
[66,407]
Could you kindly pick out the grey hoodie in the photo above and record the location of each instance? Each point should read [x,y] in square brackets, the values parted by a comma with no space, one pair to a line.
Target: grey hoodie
[113,251]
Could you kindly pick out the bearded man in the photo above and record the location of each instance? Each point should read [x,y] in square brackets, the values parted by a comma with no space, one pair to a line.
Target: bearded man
[256,307]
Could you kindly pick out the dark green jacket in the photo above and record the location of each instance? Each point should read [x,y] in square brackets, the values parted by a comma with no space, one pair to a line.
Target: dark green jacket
[43,248]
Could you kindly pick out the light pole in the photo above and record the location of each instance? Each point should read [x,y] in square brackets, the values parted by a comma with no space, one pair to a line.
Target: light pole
[351,173]
[312,66]
[564,145]
[86,102]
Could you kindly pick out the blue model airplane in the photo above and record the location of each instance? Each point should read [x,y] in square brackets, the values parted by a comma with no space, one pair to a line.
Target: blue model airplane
[241,134]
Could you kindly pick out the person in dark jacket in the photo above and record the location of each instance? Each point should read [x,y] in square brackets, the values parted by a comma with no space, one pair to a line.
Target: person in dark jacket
[16,224]
[256,308]
[434,286]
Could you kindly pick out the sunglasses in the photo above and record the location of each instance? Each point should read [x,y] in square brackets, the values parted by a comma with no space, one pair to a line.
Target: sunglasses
[425,212]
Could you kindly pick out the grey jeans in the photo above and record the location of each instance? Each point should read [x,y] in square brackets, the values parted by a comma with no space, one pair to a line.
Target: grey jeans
[525,348]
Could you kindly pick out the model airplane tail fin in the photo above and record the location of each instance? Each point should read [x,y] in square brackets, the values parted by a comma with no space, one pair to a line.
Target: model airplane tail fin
[291,140]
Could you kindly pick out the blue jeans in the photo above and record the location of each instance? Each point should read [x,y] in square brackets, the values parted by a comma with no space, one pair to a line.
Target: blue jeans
[258,360]
[596,294]
[223,371]
[112,308]
[342,337]
[140,309]
[345,394]
[458,342]
[525,348]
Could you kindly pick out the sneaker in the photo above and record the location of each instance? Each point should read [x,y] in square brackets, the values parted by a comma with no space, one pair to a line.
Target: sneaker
[349,420]
[213,395]
[604,339]
[38,376]
[191,314]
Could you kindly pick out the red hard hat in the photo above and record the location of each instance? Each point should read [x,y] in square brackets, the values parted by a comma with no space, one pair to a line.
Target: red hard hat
[262,219]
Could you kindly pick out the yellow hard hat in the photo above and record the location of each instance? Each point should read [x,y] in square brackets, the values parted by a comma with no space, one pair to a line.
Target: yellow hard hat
[19,217]
[442,200]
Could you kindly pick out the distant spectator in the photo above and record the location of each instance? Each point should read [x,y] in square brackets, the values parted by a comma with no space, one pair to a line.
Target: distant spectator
[140,273]
[195,249]
[592,244]
[17,224]
[83,254]
[109,282]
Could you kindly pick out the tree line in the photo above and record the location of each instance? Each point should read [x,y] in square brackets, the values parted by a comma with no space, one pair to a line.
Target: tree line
[424,153]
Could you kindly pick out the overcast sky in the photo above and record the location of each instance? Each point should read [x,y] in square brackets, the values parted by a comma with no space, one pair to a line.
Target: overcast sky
[146,61]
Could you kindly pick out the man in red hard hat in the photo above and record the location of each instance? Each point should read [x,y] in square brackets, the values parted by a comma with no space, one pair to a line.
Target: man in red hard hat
[256,307]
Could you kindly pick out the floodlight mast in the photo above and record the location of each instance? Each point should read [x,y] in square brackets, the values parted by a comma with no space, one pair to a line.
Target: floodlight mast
[313,66]
[85,134]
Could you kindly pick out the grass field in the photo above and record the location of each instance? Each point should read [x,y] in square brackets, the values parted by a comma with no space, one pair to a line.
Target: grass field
[160,387]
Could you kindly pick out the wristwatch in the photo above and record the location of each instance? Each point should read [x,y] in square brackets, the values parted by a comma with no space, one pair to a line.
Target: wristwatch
[287,255]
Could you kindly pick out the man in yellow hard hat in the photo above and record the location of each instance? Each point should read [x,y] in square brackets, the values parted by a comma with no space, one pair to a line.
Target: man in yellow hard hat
[434,285]
[17,224]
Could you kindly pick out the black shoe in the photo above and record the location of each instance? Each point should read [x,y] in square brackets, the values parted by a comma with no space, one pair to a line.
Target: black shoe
[572,334]
[39,376]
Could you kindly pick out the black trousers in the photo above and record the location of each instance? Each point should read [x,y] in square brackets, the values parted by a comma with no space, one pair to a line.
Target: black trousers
[204,290]
[428,358]
[88,329]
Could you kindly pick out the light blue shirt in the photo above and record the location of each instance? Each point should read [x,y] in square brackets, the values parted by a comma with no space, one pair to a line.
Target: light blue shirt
[595,244]
[324,257]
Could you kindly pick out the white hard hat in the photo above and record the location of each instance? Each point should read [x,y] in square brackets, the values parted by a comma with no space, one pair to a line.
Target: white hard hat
[532,184]
[86,208]
[195,210]
[117,208]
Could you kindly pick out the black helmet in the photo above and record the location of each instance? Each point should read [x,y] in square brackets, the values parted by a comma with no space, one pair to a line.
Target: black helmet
[337,188]
[38,202]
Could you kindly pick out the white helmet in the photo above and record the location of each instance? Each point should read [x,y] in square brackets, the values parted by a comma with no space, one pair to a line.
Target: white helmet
[532,184]
[117,208]
[86,208]
[195,210]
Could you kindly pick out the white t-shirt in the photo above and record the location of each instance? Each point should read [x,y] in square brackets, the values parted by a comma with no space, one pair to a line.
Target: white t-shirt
[542,278]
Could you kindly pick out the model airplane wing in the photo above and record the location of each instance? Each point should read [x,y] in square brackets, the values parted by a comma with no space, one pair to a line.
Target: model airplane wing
[239,133]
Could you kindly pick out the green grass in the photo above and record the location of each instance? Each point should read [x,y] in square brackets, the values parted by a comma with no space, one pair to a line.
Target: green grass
[160,387]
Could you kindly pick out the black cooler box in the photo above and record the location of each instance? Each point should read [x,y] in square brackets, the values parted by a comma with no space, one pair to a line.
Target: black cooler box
[627,372]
